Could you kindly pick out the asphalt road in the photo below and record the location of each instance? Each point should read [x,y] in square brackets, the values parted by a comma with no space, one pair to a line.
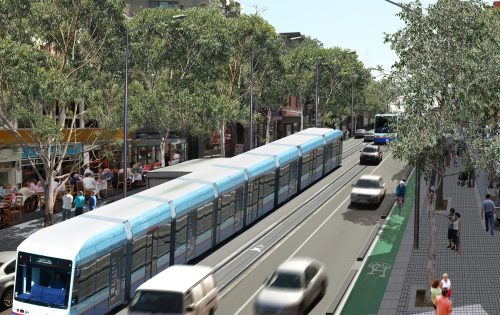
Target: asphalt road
[335,234]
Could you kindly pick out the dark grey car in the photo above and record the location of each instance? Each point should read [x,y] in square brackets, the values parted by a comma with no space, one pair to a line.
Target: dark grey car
[370,154]
[359,133]
[7,268]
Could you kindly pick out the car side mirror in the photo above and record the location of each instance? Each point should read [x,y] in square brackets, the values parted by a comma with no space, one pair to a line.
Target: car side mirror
[190,308]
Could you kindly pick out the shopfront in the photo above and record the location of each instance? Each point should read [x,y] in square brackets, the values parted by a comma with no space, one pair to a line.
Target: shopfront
[148,151]
[9,158]
[72,161]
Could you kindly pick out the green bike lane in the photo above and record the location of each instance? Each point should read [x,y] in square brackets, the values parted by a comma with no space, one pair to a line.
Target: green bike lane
[369,289]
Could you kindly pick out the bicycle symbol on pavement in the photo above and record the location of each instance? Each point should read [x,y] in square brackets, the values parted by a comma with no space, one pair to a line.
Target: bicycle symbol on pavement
[378,268]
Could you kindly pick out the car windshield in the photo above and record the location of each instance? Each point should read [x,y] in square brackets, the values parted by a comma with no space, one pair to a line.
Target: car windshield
[42,280]
[285,280]
[370,149]
[367,183]
[360,130]
[157,302]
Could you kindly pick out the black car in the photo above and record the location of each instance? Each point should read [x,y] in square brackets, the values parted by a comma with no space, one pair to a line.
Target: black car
[369,136]
[370,154]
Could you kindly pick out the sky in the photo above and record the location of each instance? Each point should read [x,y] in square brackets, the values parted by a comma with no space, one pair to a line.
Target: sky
[358,25]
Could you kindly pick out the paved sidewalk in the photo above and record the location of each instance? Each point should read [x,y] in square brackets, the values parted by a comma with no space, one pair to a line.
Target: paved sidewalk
[12,236]
[474,273]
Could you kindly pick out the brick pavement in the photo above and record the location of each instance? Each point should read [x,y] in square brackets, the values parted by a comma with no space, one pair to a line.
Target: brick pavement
[474,273]
[12,236]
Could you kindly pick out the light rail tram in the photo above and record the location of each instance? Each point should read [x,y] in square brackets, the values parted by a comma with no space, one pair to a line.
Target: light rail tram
[93,263]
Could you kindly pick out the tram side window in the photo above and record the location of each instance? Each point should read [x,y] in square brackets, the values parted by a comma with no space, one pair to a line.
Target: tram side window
[227,206]
[269,179]
[253,195]
[84,286]
[180,233]
[139,253]
[319,157]
[204,218]
[284,175]
[305,163]
[164,241]
[102,273]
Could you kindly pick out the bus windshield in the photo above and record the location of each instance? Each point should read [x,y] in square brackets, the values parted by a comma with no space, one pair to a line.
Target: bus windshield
[384,124]
[42,280]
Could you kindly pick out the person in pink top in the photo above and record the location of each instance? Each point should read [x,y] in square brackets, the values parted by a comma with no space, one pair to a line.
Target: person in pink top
[443,303]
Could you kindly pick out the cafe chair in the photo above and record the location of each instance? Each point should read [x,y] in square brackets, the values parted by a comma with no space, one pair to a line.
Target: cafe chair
[122,182]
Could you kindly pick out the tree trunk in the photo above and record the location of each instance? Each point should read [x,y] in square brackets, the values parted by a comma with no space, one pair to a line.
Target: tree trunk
[268,125]
[302,104]
[49,199]
[163,145]
[222,139]
[431,251]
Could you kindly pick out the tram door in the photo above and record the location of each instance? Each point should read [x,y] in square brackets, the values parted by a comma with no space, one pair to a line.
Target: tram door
[152,253]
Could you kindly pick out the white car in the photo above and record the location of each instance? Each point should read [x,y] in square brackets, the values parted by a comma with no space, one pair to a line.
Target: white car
[293,287]
[369,189]
[7,268]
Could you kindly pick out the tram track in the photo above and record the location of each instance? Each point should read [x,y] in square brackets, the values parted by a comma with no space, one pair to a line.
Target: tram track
[228,270]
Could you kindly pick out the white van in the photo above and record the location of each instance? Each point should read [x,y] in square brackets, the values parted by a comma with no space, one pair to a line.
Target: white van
[180,289]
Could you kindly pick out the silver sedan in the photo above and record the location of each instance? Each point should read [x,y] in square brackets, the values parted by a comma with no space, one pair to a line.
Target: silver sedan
[369,189]
[7,268]
[293,288]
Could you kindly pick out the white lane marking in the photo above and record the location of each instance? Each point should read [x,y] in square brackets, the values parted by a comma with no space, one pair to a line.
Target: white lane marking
[301,245]
[257,248]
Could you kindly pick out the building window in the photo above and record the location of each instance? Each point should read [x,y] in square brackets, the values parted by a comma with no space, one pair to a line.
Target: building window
[163,4]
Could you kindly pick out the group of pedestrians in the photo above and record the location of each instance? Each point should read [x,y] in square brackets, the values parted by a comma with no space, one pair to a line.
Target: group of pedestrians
[79,202]
[441,295]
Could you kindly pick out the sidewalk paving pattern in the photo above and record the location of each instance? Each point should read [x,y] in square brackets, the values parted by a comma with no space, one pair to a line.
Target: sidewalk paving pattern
[369,289]
[474,273]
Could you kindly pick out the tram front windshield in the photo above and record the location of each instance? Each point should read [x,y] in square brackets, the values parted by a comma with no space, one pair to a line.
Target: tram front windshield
[43,280]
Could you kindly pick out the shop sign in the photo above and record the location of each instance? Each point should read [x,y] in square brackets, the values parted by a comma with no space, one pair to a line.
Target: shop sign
[10,155]
[73,149]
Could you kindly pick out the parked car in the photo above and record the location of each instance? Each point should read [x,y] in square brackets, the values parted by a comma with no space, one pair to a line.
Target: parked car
[369,136]
[369,189]
[359,133]
[370,153]
[7,268]
[293,287]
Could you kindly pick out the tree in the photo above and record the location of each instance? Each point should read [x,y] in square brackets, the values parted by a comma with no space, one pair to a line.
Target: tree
[48,72]
[176,70]
[446,83]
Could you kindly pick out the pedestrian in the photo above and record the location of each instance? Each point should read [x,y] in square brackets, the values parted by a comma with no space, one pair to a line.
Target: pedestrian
[457,228]
[67,200]
[451,218]
[488,213]
[435,292]
[443,303]
[79,202]
[92,201]
[445,283]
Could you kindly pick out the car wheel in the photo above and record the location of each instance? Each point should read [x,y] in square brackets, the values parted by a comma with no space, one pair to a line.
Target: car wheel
[323,290]
[7,297]
[302,309]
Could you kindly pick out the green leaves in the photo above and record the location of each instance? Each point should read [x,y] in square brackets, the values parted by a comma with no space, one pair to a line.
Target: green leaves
[447,77]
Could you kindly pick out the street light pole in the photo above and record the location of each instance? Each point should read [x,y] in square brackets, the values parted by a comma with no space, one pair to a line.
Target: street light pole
[125,118]
[317,96]
[250,144]
[352,105]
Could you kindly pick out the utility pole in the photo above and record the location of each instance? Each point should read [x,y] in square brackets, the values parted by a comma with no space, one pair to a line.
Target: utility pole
[125,118]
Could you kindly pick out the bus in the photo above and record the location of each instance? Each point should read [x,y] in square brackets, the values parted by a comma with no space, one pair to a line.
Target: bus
[386,126]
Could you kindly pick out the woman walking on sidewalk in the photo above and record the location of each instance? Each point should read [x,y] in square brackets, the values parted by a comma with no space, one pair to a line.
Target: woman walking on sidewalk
[435,292]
